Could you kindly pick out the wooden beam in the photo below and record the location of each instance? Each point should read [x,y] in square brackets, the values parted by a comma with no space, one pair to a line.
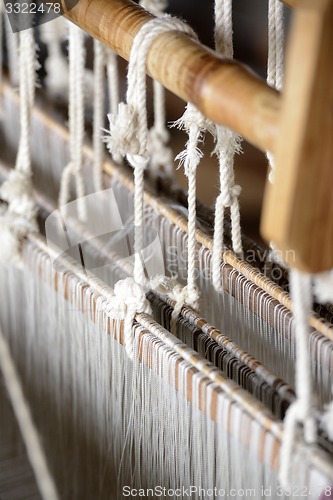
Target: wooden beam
[298,207]
[225,91]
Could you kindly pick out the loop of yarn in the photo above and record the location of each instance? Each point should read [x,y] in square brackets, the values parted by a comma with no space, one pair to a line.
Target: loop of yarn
[128,136]
[227,145]
[128,300]
[19,217]
[76,122]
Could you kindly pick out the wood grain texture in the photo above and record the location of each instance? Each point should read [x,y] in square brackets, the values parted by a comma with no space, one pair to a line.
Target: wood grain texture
[298,208]
[226,92]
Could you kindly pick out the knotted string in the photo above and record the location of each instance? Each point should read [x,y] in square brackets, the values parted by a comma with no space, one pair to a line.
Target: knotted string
[195,124]
[227,144]
[19,217]
[129,138]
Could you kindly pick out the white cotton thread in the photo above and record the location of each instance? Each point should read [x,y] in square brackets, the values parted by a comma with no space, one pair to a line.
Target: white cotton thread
[28,430]
[302,410]
[195,124]
[275,61]
[19,217]
[76,122]
[104,59]
[98,120]
[113,87]
[129,137]
[227,144]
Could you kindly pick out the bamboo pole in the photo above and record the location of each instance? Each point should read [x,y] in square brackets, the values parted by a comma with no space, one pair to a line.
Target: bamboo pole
[225,91]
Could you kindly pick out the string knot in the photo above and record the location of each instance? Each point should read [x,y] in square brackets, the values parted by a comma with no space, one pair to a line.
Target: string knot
[128,300]
[18,185]
[138,161]
[229,195]
[122,137]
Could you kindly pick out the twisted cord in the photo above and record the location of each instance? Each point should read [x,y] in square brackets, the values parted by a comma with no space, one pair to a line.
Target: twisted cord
[98,119]
[227,144]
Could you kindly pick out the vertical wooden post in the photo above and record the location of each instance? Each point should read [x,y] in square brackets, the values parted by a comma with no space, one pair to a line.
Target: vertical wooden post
[298,207]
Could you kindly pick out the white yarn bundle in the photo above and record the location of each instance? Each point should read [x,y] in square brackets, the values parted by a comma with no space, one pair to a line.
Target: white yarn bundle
[195,124]
[76,122]
[227,144]
[129,138]
[19,216]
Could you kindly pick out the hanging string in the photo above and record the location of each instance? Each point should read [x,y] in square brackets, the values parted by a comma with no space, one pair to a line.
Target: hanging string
[195,125]
[129,137]
[28,430]
[227,144]
[160,154]
[302,410]
[18,218]
[76,122]
[275,58]
[12,52]
[113,88]
[98,121]
[104,58]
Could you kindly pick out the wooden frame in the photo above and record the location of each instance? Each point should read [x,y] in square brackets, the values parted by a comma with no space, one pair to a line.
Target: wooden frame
[298,211]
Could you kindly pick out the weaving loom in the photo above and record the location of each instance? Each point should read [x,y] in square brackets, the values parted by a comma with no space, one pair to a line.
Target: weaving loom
[146,348]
